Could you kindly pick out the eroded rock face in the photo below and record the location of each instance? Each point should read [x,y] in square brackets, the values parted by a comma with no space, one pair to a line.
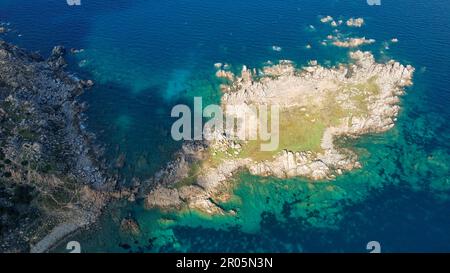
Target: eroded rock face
[376,85]
[44,151]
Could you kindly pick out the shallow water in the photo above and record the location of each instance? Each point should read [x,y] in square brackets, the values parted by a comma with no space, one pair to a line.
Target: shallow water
[146,56]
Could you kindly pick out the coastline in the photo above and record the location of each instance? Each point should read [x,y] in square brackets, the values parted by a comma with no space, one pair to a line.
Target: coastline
[146,57]
[47,156]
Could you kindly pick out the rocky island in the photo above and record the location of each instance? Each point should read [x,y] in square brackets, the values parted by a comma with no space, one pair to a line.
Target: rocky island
[319,107]
[51,179]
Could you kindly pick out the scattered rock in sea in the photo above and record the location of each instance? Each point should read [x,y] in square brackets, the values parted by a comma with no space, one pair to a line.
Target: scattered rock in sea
[225,75]
[120,161]
[353,42]
[87,83]
[76,51]
[326,19]
[352,22]
[276,48]
[312,62]
[130,226]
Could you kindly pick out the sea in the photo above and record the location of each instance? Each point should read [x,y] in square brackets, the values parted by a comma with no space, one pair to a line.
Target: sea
[145,56]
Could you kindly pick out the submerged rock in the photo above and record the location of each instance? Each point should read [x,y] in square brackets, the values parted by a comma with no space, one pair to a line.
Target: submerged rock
[120,161]
[130,226]
[87,83]
[76,51]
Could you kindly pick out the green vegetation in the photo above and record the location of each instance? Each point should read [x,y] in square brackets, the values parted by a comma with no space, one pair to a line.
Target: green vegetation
[28,134]
[302,129]
[360,93]
[59,196]
[47,168]
[192,176]
[23,194]
[215,157]
[298,131]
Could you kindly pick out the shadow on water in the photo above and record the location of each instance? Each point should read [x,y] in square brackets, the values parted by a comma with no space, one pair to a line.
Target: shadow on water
[134,127]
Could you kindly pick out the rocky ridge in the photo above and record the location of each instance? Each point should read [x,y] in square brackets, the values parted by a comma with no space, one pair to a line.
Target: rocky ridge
[51,182]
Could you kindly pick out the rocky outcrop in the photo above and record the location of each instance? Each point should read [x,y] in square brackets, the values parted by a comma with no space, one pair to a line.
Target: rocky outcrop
[326,19]
[44,153]
[352,22]
[353,42]
[329,20]
[366,92]
[130,226]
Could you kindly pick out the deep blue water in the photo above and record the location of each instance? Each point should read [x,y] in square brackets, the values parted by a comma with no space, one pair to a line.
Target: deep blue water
[146,56]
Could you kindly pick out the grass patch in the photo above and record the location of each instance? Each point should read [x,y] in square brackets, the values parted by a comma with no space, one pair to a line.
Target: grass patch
[215,157]
[28,134]
[302,129]
[297,132]
[193,173]
[363,92]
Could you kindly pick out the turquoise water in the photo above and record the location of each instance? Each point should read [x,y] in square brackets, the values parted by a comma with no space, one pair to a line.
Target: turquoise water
[146,56]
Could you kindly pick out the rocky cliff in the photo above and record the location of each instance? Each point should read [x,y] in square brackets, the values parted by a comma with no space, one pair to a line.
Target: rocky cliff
[50,178]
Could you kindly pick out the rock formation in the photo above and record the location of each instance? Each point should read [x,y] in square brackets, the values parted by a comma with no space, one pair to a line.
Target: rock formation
[345,101]
[358,22]
[353,42]
[51,179]
[326,19]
